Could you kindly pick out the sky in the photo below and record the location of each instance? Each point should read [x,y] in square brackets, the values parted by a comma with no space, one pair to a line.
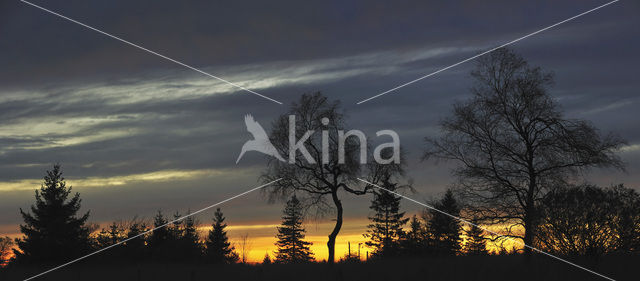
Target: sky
[136,133]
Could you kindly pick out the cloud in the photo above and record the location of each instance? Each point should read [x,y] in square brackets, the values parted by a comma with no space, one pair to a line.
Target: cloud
[105,182]
[630,148]
[117,117]
[165,119]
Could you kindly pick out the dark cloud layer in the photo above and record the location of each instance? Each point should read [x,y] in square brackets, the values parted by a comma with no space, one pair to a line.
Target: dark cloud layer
[105,109]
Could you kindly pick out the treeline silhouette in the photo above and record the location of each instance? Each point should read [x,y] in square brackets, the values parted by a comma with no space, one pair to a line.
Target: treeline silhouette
[577,221]
[586,221]
[582,221]
[53,233]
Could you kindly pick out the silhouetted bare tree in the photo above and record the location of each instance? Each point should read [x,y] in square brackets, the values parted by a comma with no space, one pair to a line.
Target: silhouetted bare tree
[627,219]
[514,145]
[590,221]
[245,247]
[325,177]
[6,245]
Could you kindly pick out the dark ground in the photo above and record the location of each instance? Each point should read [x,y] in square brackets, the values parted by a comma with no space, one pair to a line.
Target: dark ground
[453,268]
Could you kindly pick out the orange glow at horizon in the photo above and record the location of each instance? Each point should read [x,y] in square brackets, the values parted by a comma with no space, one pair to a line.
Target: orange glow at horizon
[262,237]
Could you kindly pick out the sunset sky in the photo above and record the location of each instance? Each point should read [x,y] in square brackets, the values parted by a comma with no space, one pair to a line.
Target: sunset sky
[136,133]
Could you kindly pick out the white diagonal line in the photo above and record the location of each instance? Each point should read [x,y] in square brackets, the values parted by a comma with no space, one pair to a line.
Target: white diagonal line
[153,229]
[152,52]
[492,232]
[486,52]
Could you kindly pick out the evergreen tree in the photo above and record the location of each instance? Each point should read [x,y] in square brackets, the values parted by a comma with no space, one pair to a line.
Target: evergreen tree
[416,241]
[219,250]
[190,245]
[102,239]
[267,259]
[291,246]
[52,231]
[113,234]
[160,241]
[445,230]
[387,222]
[175,228]
[476,242]
[134,249]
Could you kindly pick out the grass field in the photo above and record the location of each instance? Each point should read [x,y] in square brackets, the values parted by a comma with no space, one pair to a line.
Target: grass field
[453,268]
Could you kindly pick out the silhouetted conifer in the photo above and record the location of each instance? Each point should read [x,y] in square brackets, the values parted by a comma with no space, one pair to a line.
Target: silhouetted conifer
[445,230]
[52,231]
[161,241]
[218,248]
[291,246]
[135,249]
[476,242]
[175,228]
[416,240]
[387,222]
[190,245]
[267,259]
[113,234]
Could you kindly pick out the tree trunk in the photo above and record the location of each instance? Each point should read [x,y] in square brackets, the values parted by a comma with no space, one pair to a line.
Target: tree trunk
[528,236]
[530,209]
[331,244]
[529,226]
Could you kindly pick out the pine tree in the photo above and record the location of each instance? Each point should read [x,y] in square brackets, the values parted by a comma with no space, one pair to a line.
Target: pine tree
[445,230]
[476,242]
[291,246]
[387,222]
[52,231]
[219,250]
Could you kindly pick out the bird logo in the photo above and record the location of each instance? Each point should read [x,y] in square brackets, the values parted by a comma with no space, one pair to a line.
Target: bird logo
[260,140]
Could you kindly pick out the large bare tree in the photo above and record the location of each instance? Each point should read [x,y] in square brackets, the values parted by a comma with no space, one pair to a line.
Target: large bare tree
[319,183]
[513,144]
